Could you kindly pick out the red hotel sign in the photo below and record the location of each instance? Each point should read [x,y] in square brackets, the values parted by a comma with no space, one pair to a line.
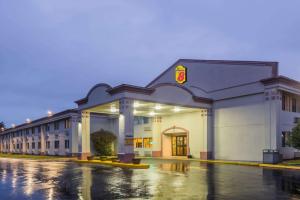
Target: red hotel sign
[180,74]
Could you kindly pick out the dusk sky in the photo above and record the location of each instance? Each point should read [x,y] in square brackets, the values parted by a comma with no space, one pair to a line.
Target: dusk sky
[53,51]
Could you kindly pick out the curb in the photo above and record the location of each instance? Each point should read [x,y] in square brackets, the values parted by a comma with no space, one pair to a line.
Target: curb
[253,164]
[209,161]
[115,164]
[279,166]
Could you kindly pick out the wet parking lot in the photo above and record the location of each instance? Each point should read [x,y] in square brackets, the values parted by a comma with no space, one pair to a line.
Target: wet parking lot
[24,179]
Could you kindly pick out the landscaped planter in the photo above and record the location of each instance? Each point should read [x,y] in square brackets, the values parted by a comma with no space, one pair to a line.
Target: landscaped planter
[103,158]
[115,160]
[90,157]
[136,161]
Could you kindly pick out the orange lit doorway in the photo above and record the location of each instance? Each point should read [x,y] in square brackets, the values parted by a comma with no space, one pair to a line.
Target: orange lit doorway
[179,145]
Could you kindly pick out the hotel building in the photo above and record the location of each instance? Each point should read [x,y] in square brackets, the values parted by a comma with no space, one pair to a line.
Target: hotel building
[208,109]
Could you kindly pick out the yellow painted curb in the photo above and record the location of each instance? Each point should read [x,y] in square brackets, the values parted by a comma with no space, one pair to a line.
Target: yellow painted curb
[231,162]
[210,161]
[279,166]
[115,164]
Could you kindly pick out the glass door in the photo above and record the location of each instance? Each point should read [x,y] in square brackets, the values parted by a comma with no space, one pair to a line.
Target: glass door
[179,146]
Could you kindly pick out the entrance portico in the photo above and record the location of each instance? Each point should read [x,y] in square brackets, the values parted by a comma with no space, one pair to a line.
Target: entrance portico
[166,106]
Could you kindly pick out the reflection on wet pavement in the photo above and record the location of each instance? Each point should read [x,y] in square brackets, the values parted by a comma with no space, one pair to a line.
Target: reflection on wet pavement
[24,179]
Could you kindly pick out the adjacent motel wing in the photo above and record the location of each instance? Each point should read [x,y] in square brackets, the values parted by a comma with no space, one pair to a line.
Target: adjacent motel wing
[208,109]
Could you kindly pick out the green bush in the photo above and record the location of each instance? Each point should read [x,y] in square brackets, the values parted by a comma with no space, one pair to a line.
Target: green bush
[102,142]
[295,137]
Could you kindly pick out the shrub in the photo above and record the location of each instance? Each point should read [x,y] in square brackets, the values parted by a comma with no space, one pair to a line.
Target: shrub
[102,142]
[295,137]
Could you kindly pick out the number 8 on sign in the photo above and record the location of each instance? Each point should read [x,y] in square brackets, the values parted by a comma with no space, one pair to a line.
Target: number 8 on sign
[180,74]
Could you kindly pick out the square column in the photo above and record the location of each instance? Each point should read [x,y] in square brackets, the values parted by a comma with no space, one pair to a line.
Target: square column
[156,137]
[10,143]
[84,136]
[126,126]
[271,153]
[43,141]
[272,119]
[207,150]
[23,144]
[73,137]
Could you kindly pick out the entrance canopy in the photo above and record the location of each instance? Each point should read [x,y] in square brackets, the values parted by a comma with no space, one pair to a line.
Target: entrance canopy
[143,108]
[125,102]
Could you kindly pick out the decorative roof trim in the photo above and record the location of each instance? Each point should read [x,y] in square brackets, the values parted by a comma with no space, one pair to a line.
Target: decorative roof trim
[86,98]
[195,98]
[130,88]
[282,80]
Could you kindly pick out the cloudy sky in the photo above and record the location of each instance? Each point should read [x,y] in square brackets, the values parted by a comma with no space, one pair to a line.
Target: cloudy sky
[53,51]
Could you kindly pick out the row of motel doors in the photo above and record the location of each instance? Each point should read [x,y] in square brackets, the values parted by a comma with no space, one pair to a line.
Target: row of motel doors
[179,145]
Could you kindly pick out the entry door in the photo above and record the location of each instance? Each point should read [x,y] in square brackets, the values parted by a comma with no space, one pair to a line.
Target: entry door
[179,146]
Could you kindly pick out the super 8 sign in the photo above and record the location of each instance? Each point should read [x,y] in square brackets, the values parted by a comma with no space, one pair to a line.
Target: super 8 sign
[180,74]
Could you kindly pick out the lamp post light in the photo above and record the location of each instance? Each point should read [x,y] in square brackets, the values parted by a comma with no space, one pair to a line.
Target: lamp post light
[49,113]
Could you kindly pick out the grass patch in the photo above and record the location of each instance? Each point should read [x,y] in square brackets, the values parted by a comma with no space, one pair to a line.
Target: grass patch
[291,162]
[32,157]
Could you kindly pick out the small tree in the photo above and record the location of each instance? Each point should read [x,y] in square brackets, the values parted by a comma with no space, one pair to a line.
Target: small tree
[294,139]
[102,142]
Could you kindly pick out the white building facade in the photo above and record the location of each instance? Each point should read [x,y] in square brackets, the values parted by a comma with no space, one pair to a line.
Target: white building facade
[52,135]
[207,109]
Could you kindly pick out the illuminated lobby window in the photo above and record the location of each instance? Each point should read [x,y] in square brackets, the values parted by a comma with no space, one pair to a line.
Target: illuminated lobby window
[138,143]
[147,142]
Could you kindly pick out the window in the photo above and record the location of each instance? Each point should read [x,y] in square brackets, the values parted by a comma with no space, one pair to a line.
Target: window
[67,123]
[17,146]
[39,129]
[33,130]
[283,102]
[138,143]
[67,144]
[141,120]
[294,105]
[39,145]
[27,145]
[146,120]
[47,127]
[147,142]
[285,139]
[56,144]
[48,144]
[56,125]
[33,145]
[289,103]
[27,131]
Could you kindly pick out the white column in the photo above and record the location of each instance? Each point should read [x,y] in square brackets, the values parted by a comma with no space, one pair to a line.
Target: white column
[207,149]
[43,141]
[126,125]
[11,143]
[24,143]
[272,119]
[85,135]
[73,142]
[61,139]
[156,136]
